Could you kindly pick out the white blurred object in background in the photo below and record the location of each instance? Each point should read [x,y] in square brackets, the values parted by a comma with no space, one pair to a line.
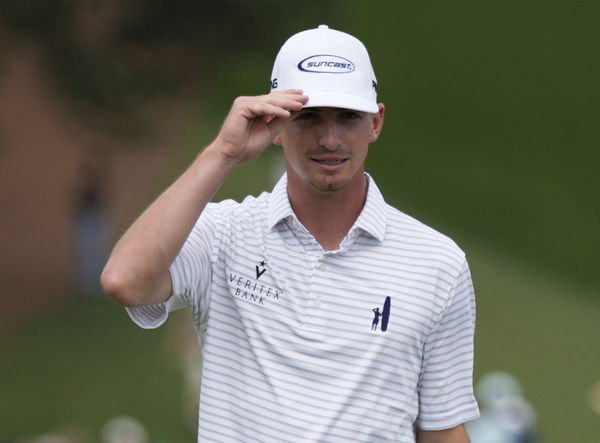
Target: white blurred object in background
[506,416]
[124,430]
[594,397]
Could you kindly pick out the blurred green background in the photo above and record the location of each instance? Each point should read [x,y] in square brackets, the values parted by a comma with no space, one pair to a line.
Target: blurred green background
[491,137]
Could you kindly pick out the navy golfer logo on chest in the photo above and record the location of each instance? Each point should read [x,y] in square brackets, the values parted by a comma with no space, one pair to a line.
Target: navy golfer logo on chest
[383,314]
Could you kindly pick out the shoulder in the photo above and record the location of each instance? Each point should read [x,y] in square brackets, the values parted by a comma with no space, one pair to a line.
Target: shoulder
[415,237]
[228,216]
[250,206]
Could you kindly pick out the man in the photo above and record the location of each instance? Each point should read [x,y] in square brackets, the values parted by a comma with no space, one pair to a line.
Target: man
[282,287]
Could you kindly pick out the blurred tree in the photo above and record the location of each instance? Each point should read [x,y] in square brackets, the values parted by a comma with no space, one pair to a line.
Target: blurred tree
[108,56]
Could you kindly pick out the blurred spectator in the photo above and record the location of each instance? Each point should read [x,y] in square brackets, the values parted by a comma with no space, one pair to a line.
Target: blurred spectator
[124,430]
[92,237]
[506,416]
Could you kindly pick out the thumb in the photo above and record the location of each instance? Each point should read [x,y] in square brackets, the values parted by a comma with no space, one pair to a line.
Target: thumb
[276,125]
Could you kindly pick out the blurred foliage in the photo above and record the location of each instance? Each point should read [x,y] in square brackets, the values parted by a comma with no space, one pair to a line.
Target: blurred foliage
[108,57]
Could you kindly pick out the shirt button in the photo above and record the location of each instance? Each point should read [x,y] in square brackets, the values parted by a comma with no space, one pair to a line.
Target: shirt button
[322,267]
[318,303]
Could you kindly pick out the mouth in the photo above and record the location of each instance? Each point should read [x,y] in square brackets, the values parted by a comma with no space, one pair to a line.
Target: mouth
[330,164]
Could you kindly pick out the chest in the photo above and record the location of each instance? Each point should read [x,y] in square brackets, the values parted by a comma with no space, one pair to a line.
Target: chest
[295,296]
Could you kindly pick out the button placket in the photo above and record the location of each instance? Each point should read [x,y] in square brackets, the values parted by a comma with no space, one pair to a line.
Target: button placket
[321,268]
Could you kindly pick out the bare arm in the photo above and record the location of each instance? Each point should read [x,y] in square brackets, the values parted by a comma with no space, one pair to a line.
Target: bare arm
[457,434]
[137,271]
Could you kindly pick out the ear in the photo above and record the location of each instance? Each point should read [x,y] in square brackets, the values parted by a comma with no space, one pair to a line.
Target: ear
[377,123]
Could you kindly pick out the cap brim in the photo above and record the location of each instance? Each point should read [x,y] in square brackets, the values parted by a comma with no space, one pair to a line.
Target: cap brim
[330,99]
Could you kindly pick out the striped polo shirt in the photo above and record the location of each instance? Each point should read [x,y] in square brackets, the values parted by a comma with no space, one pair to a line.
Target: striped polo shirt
[300,344]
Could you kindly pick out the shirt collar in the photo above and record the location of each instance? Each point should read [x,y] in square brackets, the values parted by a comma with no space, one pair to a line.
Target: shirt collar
[372,219]
[279,203]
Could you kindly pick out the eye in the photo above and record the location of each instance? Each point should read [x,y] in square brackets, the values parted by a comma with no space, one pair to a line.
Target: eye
[349,115]
[306,115]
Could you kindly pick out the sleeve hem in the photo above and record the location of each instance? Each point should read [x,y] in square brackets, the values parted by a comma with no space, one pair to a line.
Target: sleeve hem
[153,316]
[440,425]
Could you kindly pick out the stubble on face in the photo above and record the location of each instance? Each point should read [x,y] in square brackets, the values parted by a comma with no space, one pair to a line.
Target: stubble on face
[337,181]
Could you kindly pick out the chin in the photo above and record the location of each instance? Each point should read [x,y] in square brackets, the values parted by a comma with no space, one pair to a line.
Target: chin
[329,184]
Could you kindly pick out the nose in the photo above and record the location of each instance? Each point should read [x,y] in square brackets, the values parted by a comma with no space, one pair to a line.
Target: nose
[328,137]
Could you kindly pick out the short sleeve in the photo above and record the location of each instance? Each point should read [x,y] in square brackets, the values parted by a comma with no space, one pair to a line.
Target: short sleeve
[446,396]
[190,274]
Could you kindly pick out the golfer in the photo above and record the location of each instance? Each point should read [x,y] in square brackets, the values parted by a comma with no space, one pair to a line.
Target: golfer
[282,287]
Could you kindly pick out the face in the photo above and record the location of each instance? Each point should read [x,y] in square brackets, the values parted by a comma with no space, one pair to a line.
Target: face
[325,148]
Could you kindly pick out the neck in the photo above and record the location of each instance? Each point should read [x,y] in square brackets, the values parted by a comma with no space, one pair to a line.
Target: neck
[329,215]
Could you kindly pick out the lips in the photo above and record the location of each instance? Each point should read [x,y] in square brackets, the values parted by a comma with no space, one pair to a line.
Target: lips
[327,161]
[330,164]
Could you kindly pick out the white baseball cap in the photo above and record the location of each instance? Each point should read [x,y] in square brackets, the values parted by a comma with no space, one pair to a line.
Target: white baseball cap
[331,67]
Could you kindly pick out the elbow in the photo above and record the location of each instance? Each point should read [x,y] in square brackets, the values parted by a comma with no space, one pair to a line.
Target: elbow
[116,287]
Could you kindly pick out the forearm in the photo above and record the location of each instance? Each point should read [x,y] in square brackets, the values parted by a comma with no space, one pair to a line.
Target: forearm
[137,271]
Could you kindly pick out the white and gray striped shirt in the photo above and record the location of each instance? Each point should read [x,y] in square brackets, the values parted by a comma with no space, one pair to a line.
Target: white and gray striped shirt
[295,339]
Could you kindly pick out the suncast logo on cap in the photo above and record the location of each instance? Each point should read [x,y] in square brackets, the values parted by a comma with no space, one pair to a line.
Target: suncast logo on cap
[331,64]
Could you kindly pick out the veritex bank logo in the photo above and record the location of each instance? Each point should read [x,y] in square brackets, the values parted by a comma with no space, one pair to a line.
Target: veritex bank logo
[331,64]
[261,268]
[254,290]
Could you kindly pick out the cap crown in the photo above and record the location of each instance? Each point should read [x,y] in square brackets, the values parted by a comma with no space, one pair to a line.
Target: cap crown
[331,67]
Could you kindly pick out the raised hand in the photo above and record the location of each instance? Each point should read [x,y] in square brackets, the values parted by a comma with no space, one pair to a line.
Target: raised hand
[253,123]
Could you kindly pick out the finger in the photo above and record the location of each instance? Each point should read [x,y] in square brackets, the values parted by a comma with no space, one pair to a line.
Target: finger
[292,99]
[286,100]
[288,91]
[268,111]
[281,107]
[269,106]
[276,125]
